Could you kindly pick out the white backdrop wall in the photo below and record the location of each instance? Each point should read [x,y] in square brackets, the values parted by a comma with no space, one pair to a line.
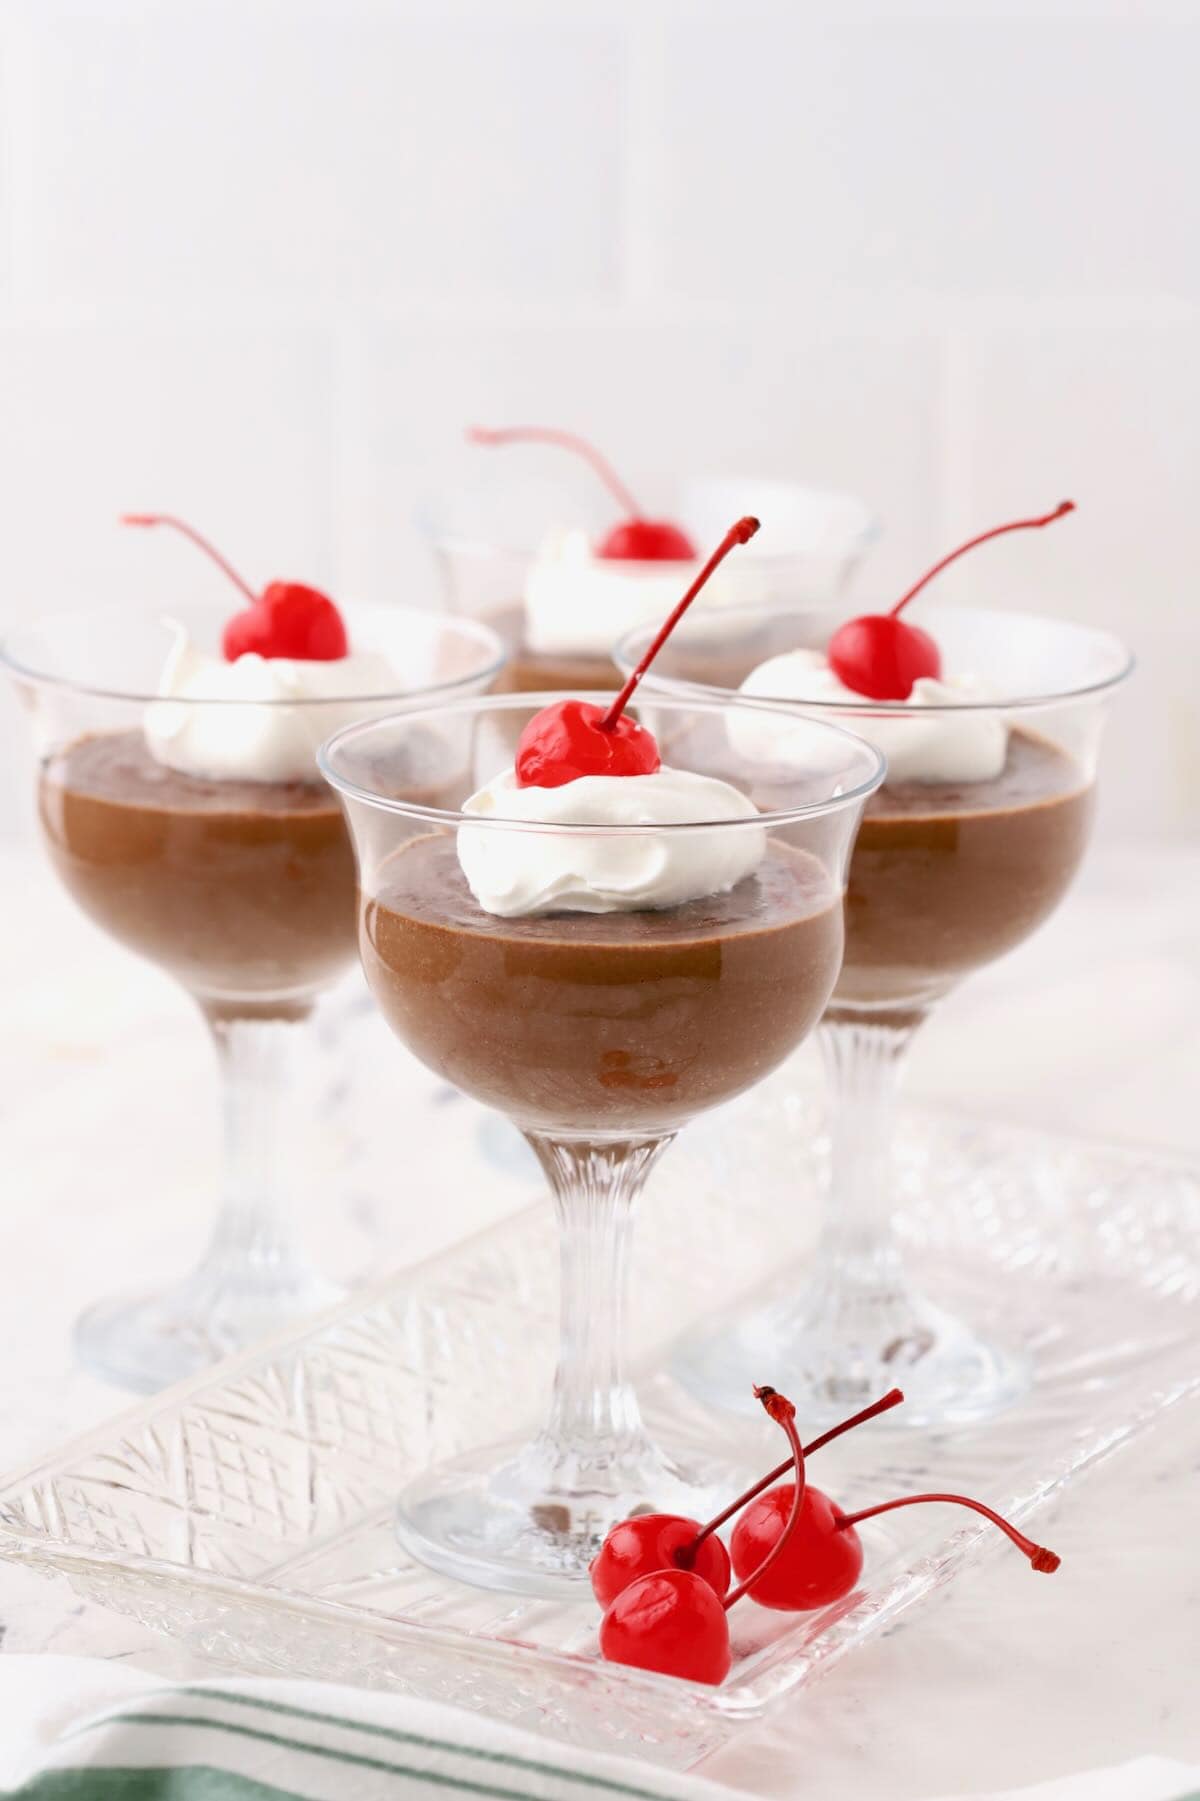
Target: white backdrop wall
[259,262]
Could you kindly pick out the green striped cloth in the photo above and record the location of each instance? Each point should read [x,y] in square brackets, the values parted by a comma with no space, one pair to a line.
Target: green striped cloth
[75,1729]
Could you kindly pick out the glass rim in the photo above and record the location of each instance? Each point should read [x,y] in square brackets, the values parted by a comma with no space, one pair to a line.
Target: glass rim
[532,703]
[631,645]
[483,634]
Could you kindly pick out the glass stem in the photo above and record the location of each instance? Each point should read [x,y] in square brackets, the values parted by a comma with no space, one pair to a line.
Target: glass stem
[857,1325]
[258,1063]
[594,1422]
[864,1325]
[863,1062]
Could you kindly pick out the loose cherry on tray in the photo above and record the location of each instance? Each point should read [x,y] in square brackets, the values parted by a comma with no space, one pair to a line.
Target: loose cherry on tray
[658,1541]
[573,738]
[880,655]
[286,620]
[636,539]
[673,1621]
[822,1554]
[654,1541]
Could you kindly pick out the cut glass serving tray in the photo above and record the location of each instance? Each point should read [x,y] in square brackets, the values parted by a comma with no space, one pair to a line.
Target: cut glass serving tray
[247,1513]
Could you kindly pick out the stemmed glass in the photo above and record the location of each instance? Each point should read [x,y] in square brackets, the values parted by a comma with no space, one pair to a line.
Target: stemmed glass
[599,1035]
[242,889]
[485,539]
[945,876]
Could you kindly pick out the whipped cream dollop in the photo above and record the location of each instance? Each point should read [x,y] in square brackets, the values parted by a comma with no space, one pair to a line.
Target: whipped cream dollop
[269,742]
[517,874]
[579,604]
[920,745]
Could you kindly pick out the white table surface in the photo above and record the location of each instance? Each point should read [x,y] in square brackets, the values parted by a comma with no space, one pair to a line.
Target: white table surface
[106,1164]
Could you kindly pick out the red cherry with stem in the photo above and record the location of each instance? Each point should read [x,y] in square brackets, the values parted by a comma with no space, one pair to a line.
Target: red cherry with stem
[646,541]
[820,1565]
[573,738]
[569,738]
[672,1621]
[636,539]
[286,620]
[654,1541]
[881,656]
[823,1555]
[290,620]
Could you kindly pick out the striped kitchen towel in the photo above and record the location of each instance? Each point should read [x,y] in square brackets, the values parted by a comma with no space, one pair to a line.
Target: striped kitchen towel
[79,1729]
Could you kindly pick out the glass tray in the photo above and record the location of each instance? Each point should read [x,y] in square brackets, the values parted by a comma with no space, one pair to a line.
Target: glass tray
[247,1512]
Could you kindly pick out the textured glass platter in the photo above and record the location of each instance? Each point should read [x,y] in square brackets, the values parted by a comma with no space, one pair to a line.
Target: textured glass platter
[247,1513]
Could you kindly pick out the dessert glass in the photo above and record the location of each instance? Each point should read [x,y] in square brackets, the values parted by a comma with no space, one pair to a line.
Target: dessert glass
[599,1036]
[485,542]
[242,890]
[945,876]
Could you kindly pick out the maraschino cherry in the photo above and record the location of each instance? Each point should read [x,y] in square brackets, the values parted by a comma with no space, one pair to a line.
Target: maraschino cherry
[658,1541]
[655,1541]
[673,1621]
[822,1554]
[286,620]
[573,738]
[636,539]
[880,655]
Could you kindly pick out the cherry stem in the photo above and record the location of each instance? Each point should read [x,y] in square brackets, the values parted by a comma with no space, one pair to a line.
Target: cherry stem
[784,1414]
[1018,525]
[884,1404]
[181,525]
[1044,1561]
[741,533]
[565,440]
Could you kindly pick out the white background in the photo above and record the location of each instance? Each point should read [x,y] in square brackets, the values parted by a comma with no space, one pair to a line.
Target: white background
[260,262]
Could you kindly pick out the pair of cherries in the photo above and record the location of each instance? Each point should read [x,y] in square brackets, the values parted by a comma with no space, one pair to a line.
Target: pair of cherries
[878,655]
[663,1580]
[287,619]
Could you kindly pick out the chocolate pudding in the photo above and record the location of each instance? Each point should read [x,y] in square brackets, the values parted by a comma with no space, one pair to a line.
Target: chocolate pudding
[946,876]
[601,1022]
[244,890]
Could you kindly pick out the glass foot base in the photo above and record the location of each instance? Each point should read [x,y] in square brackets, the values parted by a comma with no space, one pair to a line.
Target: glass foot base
[149,1341]
[517,1519]
[949,1375]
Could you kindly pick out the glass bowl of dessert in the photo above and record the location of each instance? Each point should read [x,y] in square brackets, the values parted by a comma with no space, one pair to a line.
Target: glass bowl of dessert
[604,941]
[180,803]
[560,558]
[991,723]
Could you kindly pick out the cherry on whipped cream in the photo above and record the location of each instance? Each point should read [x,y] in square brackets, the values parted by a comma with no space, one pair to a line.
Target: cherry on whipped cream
[573,738]
[570,739]
[881,656]
[287,619]
[636,539]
